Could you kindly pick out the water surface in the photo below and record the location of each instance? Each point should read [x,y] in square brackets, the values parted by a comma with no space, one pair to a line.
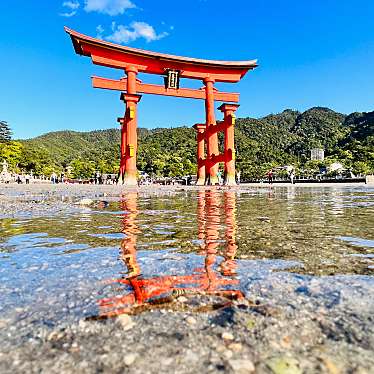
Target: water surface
[147,249]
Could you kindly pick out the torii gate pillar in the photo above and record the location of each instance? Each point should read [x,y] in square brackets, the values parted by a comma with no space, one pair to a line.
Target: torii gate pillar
[129,137]
[200,138]
[229,145]
[212,137]
[128,174]
[122,161]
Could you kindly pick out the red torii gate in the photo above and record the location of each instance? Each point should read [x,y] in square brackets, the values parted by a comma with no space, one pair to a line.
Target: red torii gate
[133,61]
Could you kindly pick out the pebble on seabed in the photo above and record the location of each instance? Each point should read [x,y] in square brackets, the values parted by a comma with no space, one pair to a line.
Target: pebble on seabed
[236,347]
[227,336]
[129,359]
[227,354]
[242,366]
[191,320]
[126,322]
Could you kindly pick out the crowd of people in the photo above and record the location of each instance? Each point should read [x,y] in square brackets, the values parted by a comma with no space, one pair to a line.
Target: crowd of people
[290,172]
[18,178]
[144,179]
[54,178]
[99,178]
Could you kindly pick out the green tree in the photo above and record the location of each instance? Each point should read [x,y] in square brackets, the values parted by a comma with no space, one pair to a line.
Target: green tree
[83,168]
[12,152]
[5,132]
[360,167]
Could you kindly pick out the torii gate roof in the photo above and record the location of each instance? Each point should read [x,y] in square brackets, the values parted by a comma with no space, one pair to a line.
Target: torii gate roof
[121,57]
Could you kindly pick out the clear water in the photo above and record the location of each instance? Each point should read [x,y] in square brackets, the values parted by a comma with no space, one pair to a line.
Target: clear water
[147,248]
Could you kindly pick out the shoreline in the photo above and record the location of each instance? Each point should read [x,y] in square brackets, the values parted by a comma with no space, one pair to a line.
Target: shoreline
[35,200]
[192,187]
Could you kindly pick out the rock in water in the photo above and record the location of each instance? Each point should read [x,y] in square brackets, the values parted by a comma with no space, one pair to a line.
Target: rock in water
[284,365]
[227,336]
[129,359]
[126,322]
[236,347]
[190,320]
[227,354]
[242,366]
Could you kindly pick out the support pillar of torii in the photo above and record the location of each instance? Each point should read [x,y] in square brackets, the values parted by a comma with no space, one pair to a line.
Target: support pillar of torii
[229,143]
[200,139]
[128,171]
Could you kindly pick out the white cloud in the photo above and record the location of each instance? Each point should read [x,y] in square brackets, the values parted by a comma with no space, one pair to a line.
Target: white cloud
[136,30]
[111,7]
[100,30]
[72,5]
[69,14]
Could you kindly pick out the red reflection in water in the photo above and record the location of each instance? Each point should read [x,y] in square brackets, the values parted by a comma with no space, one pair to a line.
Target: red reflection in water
[205,281]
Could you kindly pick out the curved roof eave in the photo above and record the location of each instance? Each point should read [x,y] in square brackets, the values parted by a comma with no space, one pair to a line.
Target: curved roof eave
[77,37]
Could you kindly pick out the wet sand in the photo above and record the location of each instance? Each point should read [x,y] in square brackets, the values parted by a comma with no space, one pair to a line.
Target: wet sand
[287,322]
[17,200]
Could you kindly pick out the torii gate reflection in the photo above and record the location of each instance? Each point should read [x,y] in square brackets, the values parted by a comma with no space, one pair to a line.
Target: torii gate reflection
[149,292]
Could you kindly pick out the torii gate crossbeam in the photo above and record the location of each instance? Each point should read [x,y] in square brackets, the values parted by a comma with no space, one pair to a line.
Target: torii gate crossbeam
[155,89]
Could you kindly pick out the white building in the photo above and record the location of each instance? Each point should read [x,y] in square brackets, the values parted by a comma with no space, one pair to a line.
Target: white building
[317,154]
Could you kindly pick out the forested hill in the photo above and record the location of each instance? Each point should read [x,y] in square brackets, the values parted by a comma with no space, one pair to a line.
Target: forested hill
[274,140]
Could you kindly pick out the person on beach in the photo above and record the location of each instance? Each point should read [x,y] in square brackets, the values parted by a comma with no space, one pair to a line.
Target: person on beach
[219,177]
[27,178]
[238,176]
[292,176]
[270,176]
[53,178]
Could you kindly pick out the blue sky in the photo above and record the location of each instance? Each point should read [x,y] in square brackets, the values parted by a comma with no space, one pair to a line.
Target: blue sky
[318,53]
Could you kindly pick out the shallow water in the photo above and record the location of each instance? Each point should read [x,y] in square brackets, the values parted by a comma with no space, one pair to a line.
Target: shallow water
[146,249]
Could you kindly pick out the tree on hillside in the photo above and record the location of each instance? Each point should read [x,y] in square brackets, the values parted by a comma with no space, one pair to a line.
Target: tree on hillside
[260,144]
[11,151]
[318,128]
[5,132]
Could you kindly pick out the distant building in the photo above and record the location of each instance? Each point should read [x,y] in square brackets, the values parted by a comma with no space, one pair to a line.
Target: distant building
[317,154]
